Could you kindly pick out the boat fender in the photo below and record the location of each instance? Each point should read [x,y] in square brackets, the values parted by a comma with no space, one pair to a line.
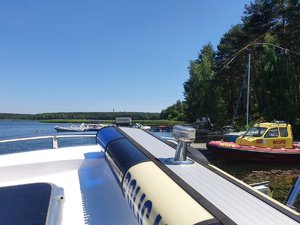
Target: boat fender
[152,195]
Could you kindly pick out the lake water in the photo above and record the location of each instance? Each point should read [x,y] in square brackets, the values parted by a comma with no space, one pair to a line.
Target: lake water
[281,176]
[16,128]
[10,129]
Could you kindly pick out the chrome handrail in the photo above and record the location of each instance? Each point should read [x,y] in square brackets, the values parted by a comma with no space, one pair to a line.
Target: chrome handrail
[53,137]
[293,195]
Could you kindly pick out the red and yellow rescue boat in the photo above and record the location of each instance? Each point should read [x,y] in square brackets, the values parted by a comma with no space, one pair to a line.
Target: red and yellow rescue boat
[272,142]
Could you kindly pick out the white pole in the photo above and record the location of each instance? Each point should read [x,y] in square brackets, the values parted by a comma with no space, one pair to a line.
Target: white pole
[248,90]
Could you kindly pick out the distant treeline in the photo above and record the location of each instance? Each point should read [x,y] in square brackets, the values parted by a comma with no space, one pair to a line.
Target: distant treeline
[81,116]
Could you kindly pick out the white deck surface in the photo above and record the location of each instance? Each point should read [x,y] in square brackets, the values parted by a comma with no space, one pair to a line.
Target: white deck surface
[237,204]
[91,193]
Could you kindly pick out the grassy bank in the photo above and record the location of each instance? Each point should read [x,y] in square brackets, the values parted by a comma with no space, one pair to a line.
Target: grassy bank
[280,175]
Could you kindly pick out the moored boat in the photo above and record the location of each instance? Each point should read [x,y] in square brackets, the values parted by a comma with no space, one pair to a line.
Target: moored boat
[82,128]
[141,126]
[93,126]
[71,128]
[272,142]
[232,136]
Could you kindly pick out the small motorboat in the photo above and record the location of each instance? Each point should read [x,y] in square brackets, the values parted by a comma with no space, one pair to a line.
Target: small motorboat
[141,126]
[272,142]
[71,128]
[82,128]
[93,126]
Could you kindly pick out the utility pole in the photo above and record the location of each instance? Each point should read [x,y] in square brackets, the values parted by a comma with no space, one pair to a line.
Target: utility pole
[248,89]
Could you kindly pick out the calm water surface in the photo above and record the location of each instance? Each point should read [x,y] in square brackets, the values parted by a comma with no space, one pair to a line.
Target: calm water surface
[10,129]
[16,128]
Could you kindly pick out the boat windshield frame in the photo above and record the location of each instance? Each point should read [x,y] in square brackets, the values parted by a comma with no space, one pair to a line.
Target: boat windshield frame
[255,132]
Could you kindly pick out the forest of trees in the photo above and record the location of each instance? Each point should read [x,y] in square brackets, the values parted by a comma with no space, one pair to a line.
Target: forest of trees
[81,116]
[270,33]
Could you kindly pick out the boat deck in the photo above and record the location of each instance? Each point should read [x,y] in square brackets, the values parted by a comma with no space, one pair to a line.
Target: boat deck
[91,195]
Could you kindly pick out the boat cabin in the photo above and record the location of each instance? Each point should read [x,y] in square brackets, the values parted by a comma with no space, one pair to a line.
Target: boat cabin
[124,121]
[268,135]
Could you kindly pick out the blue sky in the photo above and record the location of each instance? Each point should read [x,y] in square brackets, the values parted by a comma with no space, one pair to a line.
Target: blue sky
[100,55]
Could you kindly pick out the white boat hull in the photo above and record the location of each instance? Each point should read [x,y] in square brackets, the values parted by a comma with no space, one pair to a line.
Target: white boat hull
[91,195]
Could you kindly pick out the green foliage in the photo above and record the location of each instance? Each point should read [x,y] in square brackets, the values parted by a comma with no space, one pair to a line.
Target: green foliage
[174,112]
[202,93]
[270,32]
[275,72]
[296,129]
[82,116]
[14,116]
[275,82]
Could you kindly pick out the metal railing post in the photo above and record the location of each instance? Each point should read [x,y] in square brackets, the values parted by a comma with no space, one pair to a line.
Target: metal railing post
[181,150]
[54,142]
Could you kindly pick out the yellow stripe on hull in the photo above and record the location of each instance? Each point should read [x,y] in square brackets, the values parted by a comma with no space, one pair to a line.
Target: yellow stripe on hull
[156,199]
